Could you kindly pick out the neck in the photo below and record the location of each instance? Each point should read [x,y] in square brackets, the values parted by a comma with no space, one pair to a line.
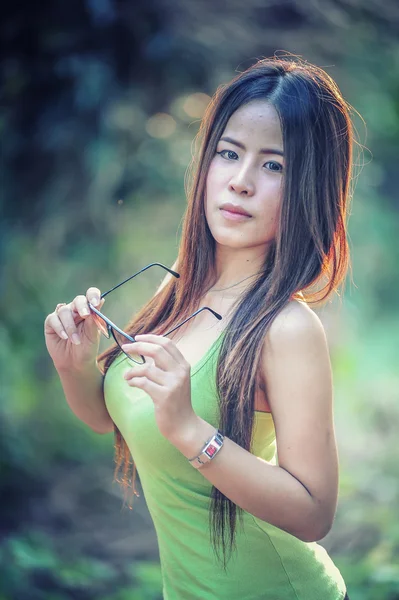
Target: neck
[236,285]
[236,269]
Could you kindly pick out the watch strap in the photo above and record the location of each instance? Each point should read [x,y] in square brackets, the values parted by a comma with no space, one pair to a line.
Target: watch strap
[209,451]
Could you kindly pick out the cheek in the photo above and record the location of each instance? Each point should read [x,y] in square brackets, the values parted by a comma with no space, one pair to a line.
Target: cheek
[274,197]
[273,215]
[210,191]
[213,179]
[209,182]
[269,209]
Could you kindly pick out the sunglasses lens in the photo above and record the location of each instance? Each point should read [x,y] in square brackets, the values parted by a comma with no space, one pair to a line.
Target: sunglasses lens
[121,339]
[101,324]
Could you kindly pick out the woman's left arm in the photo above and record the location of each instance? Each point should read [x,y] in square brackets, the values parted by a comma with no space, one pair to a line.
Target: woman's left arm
[300,494]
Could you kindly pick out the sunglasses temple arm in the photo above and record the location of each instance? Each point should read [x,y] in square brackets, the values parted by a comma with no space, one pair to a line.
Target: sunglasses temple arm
[138,273]
[193,315]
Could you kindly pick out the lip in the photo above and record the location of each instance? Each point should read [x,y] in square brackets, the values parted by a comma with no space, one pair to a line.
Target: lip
[234,216]
[234,209]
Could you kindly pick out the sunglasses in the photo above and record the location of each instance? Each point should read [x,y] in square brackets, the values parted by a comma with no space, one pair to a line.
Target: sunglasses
[108,328]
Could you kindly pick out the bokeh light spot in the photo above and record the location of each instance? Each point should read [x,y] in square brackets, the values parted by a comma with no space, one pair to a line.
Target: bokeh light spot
[196,104]
[160,125]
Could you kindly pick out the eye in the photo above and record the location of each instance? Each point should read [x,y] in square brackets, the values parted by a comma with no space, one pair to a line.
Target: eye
[276,164]
[231,155]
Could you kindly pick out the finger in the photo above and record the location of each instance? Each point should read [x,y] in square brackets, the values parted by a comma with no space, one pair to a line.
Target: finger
[52,324]
[162,359]
[152,389]
[65,316]
[81,306]
[93,295]
[150,371]
[166,343]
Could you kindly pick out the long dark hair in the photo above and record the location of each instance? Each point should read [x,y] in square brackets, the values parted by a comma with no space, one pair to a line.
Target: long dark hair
[308,259]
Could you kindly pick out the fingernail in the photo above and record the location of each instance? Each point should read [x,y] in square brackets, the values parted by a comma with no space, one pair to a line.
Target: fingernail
[64,335]
[75,339]
[85,312]
[95,301]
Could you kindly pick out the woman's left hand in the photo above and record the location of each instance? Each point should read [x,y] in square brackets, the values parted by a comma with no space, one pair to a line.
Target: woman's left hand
[167,381]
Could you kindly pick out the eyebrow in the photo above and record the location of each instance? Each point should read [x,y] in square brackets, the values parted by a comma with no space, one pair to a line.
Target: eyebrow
[261,151]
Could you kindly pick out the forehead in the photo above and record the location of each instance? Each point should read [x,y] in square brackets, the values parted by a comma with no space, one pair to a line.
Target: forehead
[258,119]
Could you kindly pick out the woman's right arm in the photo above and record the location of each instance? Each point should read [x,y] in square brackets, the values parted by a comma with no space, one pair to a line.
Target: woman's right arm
[75,357]
[72,340]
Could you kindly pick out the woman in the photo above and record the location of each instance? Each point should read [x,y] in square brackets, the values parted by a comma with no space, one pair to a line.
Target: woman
[233,416]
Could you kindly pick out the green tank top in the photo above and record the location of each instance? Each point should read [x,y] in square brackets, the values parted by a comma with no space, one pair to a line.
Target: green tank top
[268,564]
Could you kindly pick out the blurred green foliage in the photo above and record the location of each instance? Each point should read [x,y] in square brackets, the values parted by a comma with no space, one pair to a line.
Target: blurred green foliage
[101,102]
[34,565]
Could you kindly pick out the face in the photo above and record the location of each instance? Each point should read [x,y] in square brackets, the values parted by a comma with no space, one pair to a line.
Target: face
[246,172]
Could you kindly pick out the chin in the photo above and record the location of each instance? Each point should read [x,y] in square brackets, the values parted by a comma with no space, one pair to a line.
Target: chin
[229,239]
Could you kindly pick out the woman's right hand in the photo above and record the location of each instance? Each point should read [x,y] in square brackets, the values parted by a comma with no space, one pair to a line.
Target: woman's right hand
[71,335]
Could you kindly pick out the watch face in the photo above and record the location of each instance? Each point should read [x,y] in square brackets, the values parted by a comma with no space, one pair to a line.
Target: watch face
[211,451]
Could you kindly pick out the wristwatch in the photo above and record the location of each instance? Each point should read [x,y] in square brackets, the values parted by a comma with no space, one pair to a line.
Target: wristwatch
[209,451]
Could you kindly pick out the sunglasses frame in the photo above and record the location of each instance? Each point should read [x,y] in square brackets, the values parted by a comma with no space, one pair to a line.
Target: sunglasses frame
[111,325]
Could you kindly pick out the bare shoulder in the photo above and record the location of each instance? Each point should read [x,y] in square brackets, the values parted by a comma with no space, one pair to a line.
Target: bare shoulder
[295,346]
[295,322]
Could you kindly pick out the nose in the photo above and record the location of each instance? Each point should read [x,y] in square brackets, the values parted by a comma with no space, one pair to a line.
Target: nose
[242,183]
